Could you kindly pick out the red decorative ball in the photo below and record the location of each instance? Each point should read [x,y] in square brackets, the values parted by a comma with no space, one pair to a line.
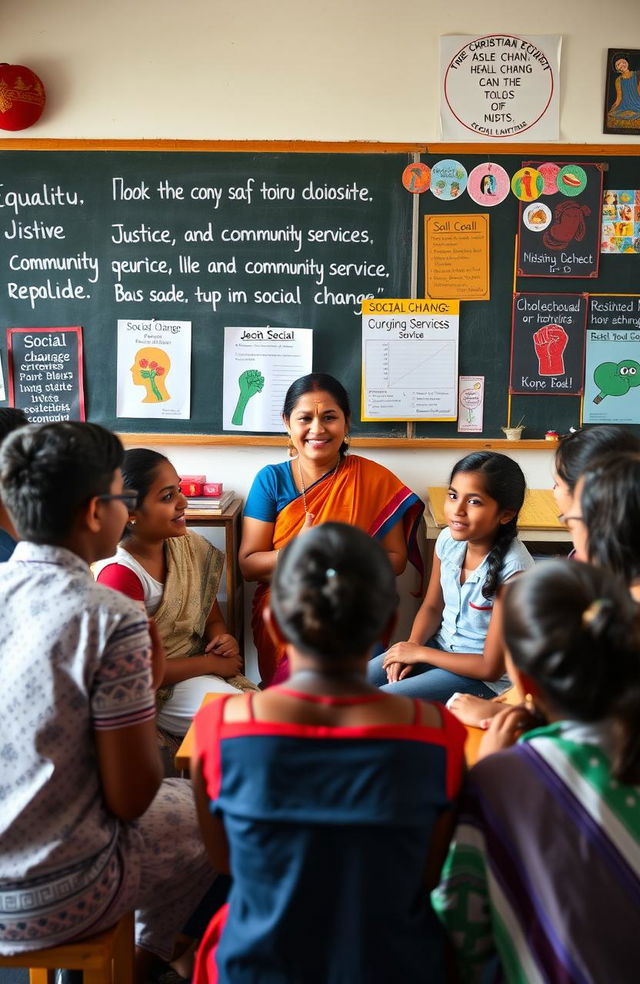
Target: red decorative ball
[22,97]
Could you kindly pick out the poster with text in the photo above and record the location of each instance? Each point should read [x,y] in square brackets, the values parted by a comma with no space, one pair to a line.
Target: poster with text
[46,373]
[409,359]
[457,257]
[470,404]
[154,369]
[612,376]
[559,233]
[614,311]
[259,366]
[500,86]
[547,344]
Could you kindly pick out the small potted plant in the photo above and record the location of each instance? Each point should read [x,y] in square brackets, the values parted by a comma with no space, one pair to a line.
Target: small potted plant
[514,433]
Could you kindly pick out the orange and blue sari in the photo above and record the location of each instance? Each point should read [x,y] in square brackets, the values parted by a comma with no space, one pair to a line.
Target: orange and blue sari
[361,493]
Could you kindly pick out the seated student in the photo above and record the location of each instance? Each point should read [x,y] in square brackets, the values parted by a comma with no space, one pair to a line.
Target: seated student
[331,799]
[10,419]
[575,454]
[455,642]
[544,868]
[176,575]
[88,829]
[605,519]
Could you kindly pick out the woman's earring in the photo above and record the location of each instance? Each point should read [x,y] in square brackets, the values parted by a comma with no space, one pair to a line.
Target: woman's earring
[345,441]
[291,448]
[131,522]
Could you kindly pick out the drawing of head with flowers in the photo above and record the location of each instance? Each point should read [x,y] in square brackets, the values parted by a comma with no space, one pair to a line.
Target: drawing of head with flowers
[150,369]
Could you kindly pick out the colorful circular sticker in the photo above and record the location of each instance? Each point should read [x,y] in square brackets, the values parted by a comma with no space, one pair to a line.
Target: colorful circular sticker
[527,184]
[416,178]
[488,184]
[571,180]
[448,180]
[536,216]
[549,174]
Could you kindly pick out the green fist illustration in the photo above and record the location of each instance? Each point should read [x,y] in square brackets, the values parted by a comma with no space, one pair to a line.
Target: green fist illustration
[250,382]
[616,379]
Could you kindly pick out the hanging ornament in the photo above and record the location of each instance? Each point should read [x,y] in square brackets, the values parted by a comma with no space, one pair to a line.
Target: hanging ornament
[22,97]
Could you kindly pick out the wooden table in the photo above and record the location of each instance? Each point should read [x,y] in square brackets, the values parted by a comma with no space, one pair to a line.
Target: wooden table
[538,522]
[184,753]
[230,520]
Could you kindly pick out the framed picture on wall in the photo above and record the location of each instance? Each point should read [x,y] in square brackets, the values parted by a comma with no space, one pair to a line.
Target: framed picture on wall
[622,91]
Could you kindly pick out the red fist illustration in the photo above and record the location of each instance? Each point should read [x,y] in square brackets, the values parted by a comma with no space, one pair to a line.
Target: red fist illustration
[550,341]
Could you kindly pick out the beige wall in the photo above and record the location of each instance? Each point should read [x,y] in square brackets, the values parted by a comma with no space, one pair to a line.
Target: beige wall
[286,69]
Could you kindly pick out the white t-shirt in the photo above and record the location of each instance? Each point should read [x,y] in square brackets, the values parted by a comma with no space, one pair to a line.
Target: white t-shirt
[152,589]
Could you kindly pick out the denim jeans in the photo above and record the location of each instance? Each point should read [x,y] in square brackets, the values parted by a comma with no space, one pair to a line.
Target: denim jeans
[427,682]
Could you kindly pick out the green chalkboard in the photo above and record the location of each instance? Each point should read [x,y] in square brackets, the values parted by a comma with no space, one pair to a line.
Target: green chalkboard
[485,327]
[217,238]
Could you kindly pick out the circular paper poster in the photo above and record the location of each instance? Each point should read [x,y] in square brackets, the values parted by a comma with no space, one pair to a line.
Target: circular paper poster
[416,178]
[527,184]
[488,184]
[498,85]
[536,216]
[571,180]
[549,172]
[448,179]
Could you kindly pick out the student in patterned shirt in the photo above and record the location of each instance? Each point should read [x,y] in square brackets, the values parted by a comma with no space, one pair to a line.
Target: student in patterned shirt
[10,419]
[544,868]
[88,831]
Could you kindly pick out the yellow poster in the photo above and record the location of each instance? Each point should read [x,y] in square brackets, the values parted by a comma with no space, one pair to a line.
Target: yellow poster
[457,257]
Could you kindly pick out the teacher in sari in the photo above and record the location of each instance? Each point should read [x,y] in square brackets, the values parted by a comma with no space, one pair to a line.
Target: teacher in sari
[319,483]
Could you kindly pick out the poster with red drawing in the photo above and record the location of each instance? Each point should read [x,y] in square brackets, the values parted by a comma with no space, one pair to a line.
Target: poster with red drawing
[559,231]
[547,344]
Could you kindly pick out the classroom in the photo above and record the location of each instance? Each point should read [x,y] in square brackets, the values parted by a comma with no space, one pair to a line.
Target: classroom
[288,80]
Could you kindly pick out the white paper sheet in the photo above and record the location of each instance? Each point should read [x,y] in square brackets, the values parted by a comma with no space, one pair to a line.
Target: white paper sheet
[154,369]
[259,366]
[409,359]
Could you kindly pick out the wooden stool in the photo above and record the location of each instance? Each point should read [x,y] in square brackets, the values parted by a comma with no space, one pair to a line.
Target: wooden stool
[106,958]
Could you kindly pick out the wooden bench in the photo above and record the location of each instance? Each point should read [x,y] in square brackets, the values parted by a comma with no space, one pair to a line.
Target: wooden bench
[106,958]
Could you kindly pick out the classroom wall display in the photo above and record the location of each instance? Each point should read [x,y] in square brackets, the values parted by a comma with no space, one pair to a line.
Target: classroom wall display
[259,366]
[622,91]
[470,404]
[620,221]
[612,376]
[60,213]
[448,180]
[457,257]
[46,377]
[273,241]
[500,86]
[409,359]
[610,311]
[560,237]
[488,184]
[153,374]
[547,343]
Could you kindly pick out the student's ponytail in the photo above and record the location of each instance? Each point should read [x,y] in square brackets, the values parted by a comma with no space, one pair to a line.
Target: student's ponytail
[503,481]
[575,631]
